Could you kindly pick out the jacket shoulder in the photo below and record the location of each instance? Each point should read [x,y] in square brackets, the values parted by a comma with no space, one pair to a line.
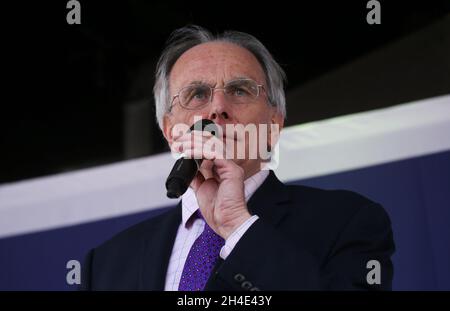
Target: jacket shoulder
[334,208]
[327,197]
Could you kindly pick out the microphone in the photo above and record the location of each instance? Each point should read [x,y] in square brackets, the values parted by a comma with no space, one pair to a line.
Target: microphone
[184,170]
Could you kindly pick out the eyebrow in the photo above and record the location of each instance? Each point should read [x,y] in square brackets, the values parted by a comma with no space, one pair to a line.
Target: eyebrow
[197,82]
[200,82]
[241,78]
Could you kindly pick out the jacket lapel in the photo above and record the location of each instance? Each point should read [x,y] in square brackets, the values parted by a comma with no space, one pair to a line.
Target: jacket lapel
[157,248]
[270,201]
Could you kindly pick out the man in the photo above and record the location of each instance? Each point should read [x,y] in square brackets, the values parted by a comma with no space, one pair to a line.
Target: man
[238,227]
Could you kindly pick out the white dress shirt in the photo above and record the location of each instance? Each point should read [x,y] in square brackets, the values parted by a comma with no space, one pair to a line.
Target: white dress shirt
[188,231]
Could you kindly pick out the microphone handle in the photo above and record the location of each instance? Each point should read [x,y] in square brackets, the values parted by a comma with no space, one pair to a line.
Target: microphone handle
[181,176]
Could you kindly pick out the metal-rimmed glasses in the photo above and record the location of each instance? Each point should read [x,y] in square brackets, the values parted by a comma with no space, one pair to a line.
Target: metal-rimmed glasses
[197,95]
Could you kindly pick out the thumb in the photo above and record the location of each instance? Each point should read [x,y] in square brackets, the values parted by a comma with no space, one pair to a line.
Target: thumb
[197,181]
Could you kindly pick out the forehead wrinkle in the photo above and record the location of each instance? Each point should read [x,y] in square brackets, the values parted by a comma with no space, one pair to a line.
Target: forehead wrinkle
[213,84]
[215,62]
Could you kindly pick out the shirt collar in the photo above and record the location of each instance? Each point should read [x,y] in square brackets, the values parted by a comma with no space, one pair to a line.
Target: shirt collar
[189,203]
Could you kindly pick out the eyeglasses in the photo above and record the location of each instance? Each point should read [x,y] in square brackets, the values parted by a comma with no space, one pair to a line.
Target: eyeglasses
[197,96]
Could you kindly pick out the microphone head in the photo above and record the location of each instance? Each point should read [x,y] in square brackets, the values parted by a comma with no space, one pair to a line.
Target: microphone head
[175,188]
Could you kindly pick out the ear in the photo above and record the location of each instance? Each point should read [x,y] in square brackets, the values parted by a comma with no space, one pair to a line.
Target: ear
[278,120]
[167,129]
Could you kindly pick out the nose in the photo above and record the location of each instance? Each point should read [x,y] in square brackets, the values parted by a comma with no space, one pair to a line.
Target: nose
[219,107]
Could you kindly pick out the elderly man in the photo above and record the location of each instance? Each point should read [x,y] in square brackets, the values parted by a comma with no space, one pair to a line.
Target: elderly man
[237,226]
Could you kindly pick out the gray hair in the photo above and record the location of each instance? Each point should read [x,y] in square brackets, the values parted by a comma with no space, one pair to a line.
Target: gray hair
[185,38]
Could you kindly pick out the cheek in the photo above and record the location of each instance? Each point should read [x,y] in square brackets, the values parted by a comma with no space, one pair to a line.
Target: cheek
[187,117]
[181,117]
[255,115]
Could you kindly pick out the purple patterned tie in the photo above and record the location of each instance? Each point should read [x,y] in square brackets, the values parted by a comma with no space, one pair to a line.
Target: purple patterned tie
[201,259]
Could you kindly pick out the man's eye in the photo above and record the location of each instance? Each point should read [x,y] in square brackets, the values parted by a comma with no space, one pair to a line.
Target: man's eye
[197,94]
[239,91]
[200,95]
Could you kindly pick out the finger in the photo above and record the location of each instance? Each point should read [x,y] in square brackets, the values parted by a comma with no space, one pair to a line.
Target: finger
[216,176]
[176,134]
[191,150]
[206,169]
[199,153]
[186,143]
[225,169]
[201,133]
[189,140]
[197,182]
[176,147]
[184,137]
[226,147]
[215,146]
[228,169]
[190,135]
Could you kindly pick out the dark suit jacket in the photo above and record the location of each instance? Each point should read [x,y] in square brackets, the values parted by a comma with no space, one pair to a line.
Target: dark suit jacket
[305,239]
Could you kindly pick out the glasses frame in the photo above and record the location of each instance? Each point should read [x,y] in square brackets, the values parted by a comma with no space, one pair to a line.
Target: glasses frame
[212,90]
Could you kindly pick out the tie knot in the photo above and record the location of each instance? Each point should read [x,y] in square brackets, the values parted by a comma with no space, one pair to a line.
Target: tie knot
[198,214]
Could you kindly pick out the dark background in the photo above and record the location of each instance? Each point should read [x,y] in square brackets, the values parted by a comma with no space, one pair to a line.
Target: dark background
[76,96]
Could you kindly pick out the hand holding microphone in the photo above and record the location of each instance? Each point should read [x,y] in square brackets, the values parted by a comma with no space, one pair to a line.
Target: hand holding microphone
[218,183]
[185,169]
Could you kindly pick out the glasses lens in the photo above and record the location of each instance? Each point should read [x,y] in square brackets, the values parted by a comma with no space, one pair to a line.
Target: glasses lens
[194,96]
[242,90]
